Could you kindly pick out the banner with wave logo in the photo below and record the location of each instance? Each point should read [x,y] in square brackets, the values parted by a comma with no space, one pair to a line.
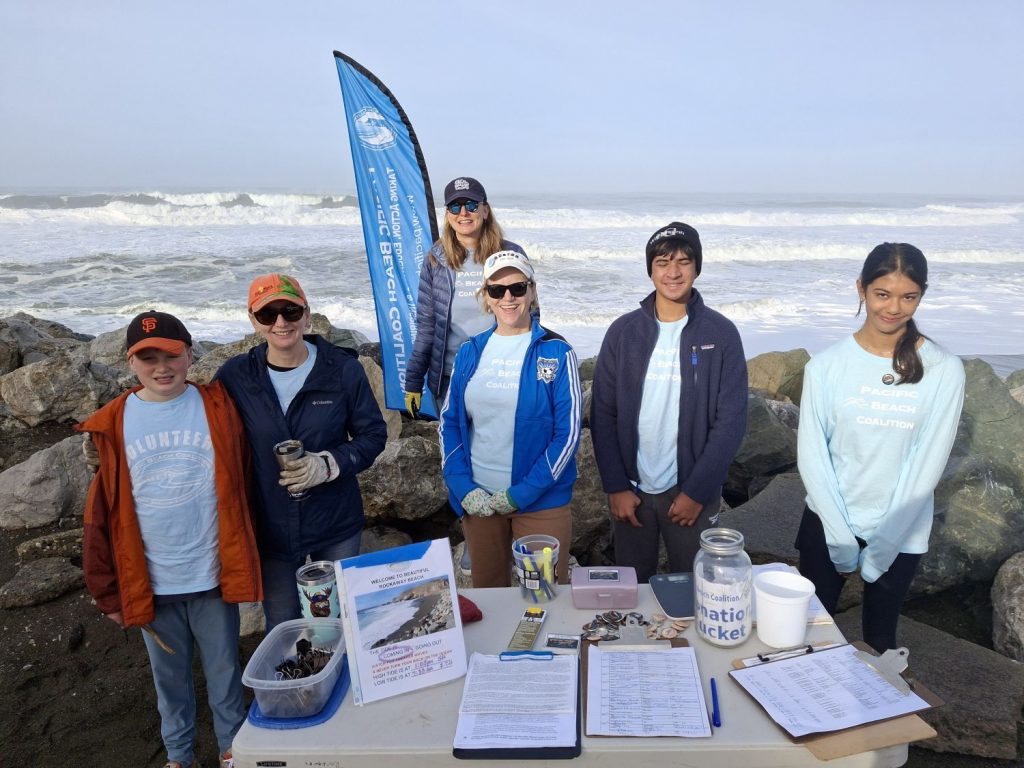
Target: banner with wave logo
[397,211]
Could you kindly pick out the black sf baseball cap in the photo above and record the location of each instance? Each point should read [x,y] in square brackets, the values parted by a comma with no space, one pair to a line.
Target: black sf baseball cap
[157,330]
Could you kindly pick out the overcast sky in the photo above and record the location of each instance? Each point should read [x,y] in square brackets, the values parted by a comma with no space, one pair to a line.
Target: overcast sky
[554,96]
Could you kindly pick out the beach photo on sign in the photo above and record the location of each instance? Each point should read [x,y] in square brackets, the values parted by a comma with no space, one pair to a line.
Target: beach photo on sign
[402,613]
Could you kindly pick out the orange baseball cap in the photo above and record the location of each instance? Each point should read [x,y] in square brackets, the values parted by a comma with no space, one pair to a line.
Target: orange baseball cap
[157,330]
[267,288]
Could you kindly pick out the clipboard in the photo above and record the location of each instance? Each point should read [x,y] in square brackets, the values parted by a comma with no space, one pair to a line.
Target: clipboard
[533,753]
[870,736]
[675,642]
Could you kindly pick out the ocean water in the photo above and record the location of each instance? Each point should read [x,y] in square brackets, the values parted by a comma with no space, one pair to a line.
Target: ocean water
[782,267]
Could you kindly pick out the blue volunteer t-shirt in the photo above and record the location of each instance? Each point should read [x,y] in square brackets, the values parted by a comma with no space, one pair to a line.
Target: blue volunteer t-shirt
[170,459]
[467,315]
[659,412]
[492,396]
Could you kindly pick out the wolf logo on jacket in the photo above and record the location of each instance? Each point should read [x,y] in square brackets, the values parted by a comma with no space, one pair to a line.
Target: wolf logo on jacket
[547,369]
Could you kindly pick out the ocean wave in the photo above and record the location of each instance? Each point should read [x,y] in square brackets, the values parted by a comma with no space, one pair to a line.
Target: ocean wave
[155,208]
[763,251]
[234,211]
[925,216]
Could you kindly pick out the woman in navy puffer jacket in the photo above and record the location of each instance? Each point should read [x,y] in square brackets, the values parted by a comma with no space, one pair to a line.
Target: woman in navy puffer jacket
[447,310]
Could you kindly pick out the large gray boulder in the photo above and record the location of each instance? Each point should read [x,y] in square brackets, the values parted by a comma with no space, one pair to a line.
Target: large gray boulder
[992,423]
[25,340]
[769,521]
[768,448]
[49,485]
[978,525]
[404,482]
[779,373]
[51,328]
[374,375]
[110,348]
[64,386]
[1015,379]
[591,519]
[40,581]
[983,691]
[1008,608]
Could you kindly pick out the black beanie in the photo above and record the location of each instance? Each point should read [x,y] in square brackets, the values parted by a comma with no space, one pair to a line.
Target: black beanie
[676,231]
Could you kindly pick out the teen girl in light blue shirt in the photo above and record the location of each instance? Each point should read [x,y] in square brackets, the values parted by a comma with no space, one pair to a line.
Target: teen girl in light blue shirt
[878,416]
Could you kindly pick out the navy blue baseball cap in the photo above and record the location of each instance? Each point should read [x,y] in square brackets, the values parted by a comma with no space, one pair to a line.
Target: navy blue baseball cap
[464,188]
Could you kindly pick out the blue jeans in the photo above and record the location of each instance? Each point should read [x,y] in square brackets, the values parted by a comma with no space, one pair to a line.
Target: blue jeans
[212,625]
[281,591]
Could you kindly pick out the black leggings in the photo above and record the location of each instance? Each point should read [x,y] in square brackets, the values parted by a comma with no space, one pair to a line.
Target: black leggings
[882,599]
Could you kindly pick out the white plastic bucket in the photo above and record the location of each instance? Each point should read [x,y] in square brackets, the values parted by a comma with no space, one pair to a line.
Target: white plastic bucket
[782,600]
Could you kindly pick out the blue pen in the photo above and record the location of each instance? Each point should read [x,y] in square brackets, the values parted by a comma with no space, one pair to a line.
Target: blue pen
[716,713]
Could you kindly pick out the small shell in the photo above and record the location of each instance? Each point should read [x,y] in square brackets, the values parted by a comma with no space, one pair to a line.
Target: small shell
[658,617]
[680,624]
[669,633]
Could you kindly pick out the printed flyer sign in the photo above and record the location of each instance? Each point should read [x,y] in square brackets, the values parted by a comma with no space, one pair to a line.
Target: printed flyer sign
[403,630]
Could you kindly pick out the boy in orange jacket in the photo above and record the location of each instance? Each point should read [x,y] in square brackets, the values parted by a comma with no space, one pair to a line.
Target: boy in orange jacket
[168,543]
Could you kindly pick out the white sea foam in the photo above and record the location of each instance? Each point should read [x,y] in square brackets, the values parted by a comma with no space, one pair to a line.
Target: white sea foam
[782,271]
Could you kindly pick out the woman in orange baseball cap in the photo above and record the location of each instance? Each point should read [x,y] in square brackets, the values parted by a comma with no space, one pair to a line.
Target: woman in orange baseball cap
[296,385]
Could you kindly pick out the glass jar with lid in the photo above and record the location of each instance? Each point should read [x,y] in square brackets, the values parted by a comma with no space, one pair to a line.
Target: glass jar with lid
[722,587]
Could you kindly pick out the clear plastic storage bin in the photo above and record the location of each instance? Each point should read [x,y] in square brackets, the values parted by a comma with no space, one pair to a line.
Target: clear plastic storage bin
[305,696]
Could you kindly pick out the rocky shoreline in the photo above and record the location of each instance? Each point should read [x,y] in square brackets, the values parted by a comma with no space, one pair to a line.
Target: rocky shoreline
[71,682]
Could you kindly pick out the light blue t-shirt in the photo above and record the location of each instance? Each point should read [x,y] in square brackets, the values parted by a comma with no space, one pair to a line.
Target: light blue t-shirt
[492,396]
[170,459]
[467,316]
[657,447]
[871,451]
[288,383]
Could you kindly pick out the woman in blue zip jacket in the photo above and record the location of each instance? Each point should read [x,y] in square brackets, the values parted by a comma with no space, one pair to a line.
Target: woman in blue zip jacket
[301,387]
[447,309]
[510,427]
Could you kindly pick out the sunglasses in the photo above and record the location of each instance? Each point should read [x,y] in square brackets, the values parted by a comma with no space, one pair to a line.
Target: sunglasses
[268,315]
[516,289]
[458,205]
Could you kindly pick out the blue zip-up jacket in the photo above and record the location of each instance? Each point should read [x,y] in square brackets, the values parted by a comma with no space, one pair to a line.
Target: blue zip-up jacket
[334,411]
[433,315]
[712,399]
[548,422]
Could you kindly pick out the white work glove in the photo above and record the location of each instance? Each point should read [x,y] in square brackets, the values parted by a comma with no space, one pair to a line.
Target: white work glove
[501,503]
[90,453]
[476,503]
[309,470]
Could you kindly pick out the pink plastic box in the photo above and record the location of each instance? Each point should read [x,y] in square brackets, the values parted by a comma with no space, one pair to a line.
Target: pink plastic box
[604,587]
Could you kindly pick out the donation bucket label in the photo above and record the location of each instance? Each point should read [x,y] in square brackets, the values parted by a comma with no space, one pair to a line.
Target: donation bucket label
[723,611]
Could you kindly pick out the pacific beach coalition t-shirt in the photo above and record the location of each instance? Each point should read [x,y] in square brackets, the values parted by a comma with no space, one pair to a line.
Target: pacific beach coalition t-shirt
[492,396]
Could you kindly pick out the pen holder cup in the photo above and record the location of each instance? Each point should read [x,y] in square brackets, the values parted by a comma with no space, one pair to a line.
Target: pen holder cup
[535,560]
[781,602]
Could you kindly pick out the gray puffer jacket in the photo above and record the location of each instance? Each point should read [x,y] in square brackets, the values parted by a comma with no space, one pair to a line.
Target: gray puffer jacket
[433,315]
